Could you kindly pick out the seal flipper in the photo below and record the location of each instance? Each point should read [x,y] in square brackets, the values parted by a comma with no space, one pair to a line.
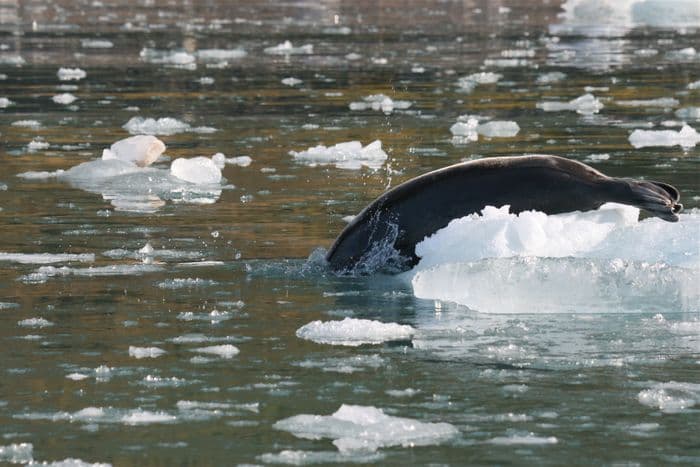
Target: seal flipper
[656,198]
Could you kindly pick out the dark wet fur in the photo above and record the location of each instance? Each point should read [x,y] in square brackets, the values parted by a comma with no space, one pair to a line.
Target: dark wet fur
[392,225]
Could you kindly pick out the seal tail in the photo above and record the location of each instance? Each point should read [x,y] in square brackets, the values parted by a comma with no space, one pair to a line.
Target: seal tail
[656,198]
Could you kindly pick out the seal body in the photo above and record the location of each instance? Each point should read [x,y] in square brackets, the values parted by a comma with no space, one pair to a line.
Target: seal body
[406,214]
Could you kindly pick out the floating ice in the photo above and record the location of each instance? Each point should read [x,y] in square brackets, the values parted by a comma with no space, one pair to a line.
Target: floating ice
[218,55]
[468,83]
[142,150]
[176,58]
[145,352]
[21,453]
[522,263]
[145,417]
[367,428]
[45,272]
[35,323]
[46,258]
[354,332]
[345,365]
[694,85]
[551,77]
[77,376]
[586,104]
[182,283]
[162,126]
[350,155]
[467,129]
[197,170]
[69,462]
[528,439]
[500,129]
[71,74]
[241,161]
[291,81]
[665,102]
[27,124]
[380,102]
[319,457]
[5,102]
[96,44]
[65,98]
[287,48]
[37,144]
[688,113]
[671,397]
[687,137]
[223,351]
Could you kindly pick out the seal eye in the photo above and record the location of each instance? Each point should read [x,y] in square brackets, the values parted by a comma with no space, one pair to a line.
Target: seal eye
[678,207]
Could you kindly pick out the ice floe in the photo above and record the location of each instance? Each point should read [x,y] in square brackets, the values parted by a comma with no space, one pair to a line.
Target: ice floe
[145,352]
[142,150]
[380,102]
[354,332]
[44,273]
[350,155]
[71,74]
[467,129]
[223,351]
[35,323]
[198,170]
[366,428]
[174,58]
[468,83]
[96,44]
[506,263]
[688,113]
[586,104]
[290,81]
[5,102]
[287,48]
[17,453]
[162,126]
[551,77]
[219,55]
[665,102]
[671,397]
[64,99]
[686,137]
[46,258]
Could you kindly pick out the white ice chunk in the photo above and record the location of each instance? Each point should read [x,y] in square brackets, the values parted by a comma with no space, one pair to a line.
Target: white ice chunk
[71,74]
[687,137]
[551,77]
[665,102]
[694,85]
[142,150]
[287,48]
[5,102]
[218,55]
[468,83]
[241,161]
[671,397]
[17,453]
[176,58]
[96,44]
[319,457]
[197,170]
[354,332]
[367,428]
[223,351]
[46,258]
[290,81]
[145,417]
[37,144]
[69,462]
[688,113]
[145,352]
[27,123]
[151,126]
[65,98]
[380,102]
[35,323]
[586,104]
[350,155]
[527,439]
[501,129]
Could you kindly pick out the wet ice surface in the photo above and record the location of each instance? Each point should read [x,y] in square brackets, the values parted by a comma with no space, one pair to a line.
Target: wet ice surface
[150,307]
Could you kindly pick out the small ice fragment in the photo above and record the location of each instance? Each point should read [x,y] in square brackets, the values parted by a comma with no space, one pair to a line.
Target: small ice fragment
[142,150]
[145,417]
[688,113]
[161,126]
[356,428]
[660,102]
[27,124]
[291,81]
[65,98]
[223,351]
[21,453]
[552,77]
[586,104]
[287,48]
[528,439]
[145,352]
[37,144]
[380,102]
[694,85]
[597,157]
[46,258]
[408,392]
[687,137]
[498,129]
[646,52]
[96,44]
[219,159]
[219,55]
[176,58]
[353,56]
[206,80]
[468,83]
[242,161]
[354,332]
[199,170]
[77,376]
[349,155]
[71,74]
[5,102]
[35,323]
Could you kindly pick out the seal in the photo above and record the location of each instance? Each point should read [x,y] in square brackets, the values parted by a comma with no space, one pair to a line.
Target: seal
[403,216]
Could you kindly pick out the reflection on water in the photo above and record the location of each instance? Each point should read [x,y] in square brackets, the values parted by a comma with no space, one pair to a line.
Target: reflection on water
[148,319]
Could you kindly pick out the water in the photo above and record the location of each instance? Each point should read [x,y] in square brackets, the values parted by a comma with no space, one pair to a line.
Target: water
[170,333]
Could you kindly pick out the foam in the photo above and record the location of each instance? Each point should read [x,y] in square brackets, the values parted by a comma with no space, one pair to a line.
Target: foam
[586,104]
[354,332]
[505,263]
[687,137]
[366,429]
[350,155]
